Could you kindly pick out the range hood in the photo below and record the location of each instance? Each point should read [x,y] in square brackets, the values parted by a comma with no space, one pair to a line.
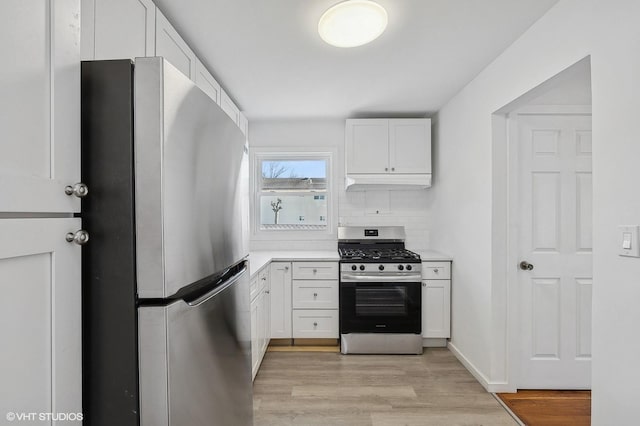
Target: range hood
[364,182]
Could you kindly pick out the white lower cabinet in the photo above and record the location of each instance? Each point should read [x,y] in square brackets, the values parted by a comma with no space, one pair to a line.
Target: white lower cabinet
[436,300]
[40,317]
[280,277]
[315,300]
[315,323]
[260,318]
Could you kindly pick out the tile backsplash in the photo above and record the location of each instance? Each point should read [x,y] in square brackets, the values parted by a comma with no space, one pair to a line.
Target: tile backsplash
[410,209]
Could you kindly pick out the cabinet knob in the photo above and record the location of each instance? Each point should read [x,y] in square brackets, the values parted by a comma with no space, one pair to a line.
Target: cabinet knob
[267,292]
[263,278]
[79,189]
[393,169]
[286,268]
[435,270]
[424,284]
[80,237]
[386,169]
[315,294]
[315,324]
[315,270]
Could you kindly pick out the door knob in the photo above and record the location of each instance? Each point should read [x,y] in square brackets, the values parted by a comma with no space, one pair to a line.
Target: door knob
[79,190]
[80,237]
[526,266]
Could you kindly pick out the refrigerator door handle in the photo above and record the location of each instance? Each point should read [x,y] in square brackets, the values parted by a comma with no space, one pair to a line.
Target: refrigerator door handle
[202,299]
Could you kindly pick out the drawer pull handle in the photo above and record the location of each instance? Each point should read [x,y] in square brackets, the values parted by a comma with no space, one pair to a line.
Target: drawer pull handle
[315,294]
[315,324]
[435,270]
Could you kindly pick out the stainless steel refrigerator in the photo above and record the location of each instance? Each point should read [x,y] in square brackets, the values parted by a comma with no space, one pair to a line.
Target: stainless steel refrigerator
[166,320]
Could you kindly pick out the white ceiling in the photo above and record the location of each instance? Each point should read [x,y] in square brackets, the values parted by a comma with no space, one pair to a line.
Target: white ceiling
[267,53]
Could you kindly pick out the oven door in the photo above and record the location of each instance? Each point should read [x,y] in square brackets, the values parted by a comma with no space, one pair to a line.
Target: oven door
[380,307]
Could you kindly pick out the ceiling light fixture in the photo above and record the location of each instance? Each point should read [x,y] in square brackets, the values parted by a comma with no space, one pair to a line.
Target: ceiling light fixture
[352,23]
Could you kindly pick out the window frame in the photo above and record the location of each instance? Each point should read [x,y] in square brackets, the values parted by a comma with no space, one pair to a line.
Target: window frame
[324,232]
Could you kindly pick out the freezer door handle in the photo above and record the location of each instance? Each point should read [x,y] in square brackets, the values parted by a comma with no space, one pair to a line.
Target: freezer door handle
[222,287]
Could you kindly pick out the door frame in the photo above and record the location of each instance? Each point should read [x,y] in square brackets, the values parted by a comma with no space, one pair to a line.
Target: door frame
[505,244]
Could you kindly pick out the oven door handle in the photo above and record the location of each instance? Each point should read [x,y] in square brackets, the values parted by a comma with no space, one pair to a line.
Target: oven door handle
[350,277]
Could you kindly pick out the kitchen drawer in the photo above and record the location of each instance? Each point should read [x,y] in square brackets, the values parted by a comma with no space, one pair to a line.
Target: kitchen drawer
[315,270]
[315,323]
[436,270]
[315,294]
[254,288]
[258,283]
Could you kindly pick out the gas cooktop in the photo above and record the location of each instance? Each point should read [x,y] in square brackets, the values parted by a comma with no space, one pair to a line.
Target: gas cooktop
[375,254]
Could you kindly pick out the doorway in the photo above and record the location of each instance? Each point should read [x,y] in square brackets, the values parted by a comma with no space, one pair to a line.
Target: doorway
[548,226]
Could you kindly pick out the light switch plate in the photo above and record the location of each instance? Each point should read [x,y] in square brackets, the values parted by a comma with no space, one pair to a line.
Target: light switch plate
[628,241]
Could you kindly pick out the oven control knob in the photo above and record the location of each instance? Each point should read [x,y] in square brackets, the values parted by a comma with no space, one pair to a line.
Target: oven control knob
[362,267]
[354,267]
[409,267]
[381,267]
[400,267]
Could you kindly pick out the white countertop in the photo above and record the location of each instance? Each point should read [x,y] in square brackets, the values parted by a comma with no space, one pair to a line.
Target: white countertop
[257,259]
[433,256]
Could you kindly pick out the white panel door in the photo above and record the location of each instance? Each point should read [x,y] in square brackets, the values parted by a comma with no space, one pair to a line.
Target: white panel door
[555,237]
[410,145]
[280,280]
[229,107]
[40,106]
[118,29]
[436,308]
[40,317]
[255,339]
[206,82]
[367,146]
[173,48]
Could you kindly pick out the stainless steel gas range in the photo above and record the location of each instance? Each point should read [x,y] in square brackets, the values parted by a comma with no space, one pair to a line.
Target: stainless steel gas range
[380,292]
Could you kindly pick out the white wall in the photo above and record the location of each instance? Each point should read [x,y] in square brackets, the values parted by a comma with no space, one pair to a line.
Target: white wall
[408,208]
[572,30]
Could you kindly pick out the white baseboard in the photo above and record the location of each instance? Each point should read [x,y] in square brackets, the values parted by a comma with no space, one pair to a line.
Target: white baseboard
[490,386]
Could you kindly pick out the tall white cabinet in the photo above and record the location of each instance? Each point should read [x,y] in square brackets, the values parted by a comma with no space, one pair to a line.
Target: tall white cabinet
[40,308]
[281,300]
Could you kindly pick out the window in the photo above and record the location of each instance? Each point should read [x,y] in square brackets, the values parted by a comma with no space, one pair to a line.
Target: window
[292,191]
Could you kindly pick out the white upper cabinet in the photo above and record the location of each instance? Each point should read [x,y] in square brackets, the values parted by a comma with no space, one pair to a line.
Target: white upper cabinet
[388,153]
[367,146]
[386,146]
[229,107]
[410,146]
[243,123]
[118,29]
[206,82]
[40,107]
[173,48]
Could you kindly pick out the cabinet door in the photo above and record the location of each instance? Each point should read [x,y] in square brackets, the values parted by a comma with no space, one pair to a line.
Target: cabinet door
[229,107]
[40,317]
[280,280]
[243,123]
[118,29]
[436,308]
[206,82]
[367,146]
[255,341]
[40,106]
[410,145]
[266,317]
[173,48]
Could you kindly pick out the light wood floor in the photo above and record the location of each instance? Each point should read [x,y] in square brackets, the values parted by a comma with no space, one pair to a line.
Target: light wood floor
[330,389]
[550,408]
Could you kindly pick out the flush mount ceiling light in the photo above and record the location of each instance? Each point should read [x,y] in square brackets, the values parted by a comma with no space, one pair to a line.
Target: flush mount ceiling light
[352,23]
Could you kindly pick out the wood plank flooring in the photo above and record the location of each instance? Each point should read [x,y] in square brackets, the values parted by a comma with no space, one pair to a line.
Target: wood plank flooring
[549,407]
[330,389]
